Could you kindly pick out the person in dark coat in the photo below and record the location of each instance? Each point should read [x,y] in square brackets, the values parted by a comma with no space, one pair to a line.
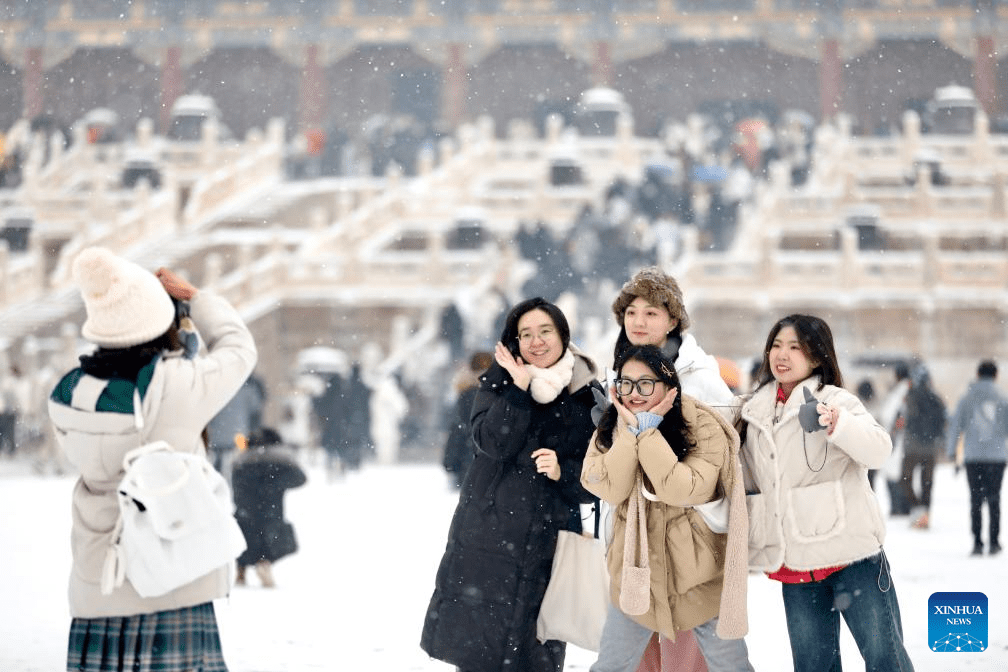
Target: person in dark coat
[459,447]
[330,410]
[357,441]
[531,423]
[923,440]
[260,476]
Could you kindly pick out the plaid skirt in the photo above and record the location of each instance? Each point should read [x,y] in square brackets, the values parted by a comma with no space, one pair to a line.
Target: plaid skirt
[181,640]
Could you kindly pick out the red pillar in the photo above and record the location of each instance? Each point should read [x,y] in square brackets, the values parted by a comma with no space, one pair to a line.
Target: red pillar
[171,84]
[455,86]
[830,79]
[985,74]
[31,83]
[602,65]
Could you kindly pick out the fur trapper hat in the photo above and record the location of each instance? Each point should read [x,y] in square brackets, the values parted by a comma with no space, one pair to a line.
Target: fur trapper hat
[657,288]
[126,304]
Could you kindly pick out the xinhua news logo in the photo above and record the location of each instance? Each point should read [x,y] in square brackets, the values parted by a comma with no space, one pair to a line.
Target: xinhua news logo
[957,622]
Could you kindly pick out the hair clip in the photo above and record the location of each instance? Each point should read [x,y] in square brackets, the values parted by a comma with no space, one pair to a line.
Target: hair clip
[666,371]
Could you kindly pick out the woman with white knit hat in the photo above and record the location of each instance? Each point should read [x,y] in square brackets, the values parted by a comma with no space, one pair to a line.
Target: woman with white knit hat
[140,386]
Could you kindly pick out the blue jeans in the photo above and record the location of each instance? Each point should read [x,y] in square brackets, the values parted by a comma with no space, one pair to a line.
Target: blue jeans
[624,641]
[864,594]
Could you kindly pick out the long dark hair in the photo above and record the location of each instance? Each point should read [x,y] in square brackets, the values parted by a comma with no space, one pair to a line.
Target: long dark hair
[125,363]
[815,340]
[509,337]
[673,426]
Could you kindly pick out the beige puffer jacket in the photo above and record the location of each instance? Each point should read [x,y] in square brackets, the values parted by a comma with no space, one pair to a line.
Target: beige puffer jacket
[178,397]
[696,574]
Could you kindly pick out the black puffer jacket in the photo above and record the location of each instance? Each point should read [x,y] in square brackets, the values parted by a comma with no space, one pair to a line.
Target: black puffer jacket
[497,563]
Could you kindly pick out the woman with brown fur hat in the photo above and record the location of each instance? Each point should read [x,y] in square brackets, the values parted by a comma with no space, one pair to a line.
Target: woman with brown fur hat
[651,311]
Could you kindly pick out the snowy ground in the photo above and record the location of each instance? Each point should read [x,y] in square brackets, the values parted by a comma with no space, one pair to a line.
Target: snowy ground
[354,597]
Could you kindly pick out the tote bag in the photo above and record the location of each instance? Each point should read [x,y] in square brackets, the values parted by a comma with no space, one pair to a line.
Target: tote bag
[577,597]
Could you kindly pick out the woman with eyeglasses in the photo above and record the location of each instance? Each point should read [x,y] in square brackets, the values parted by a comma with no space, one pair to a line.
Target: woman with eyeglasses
[531,422]
[650,310]
[674,457]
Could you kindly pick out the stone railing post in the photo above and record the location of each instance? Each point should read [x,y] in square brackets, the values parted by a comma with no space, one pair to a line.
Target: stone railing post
[554,128]
[689,239]
[997,208]
[56,148]
[344,204]
[923,193]
[436,253]
[275,131]
[212,269]
[911,136]
[626,144]
[931,270]
[425,160]
[4,271]
[850,273]
[768,258]
[144,132]
[244,268]
[209,142]
[982,151]
[317,219]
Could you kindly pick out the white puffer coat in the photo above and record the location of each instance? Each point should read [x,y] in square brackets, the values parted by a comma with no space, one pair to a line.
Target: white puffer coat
[178,396]
[809,500]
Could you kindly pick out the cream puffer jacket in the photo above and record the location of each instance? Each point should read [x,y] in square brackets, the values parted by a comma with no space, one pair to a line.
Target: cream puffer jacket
[696,574]
[178,397]
[810,503]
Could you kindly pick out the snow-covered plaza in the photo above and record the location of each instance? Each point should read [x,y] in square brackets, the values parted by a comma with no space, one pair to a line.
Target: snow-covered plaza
[354,596]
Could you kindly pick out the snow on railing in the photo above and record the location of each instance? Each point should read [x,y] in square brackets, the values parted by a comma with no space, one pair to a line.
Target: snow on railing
[151,214]
[21,274]
[259,164]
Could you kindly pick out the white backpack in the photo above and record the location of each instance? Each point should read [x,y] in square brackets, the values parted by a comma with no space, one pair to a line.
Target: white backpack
[175,524]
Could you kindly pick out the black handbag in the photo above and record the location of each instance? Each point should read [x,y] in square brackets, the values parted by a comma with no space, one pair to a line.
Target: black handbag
[280,539]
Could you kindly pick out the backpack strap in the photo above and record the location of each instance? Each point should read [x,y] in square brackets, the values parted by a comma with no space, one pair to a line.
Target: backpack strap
[114,567]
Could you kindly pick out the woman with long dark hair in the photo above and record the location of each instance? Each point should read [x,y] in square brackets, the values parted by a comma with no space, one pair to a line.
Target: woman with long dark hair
[531,421]
[672,456]
[815,524]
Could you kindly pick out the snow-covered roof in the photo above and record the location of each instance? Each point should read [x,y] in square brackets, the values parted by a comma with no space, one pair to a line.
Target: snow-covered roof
[101,116]
[602,97]
[195,104]
[954,93]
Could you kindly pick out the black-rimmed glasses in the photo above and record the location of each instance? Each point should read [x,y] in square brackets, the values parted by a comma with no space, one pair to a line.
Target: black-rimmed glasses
[645,386]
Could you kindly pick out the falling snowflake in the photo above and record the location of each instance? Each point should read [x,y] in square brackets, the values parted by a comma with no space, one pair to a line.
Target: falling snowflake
[958,641]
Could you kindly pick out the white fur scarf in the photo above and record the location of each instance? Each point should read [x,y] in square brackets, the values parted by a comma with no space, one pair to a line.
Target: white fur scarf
[547,383]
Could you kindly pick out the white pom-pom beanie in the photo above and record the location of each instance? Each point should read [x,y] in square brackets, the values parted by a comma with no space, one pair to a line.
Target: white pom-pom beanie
[126,304]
